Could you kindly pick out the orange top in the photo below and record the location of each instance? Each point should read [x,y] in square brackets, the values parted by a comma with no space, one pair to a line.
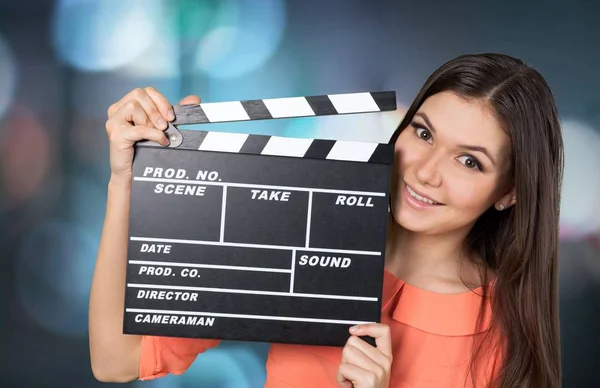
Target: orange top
[432,339]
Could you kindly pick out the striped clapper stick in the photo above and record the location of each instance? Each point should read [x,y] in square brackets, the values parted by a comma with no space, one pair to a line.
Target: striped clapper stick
[258,238]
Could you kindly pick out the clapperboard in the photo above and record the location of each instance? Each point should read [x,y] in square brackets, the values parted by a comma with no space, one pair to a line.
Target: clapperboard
[258,238]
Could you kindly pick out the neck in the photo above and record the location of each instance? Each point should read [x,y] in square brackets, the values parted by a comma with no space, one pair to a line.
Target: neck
[434,262]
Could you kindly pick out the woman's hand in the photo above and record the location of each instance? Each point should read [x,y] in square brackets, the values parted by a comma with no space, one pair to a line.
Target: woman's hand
[363,365]
[141,114]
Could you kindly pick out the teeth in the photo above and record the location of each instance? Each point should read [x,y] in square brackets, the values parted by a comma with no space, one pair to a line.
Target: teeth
[420,198]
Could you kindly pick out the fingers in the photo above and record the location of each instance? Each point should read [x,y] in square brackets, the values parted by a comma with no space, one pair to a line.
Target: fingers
[343,376]
[132,112]
[381,333]
[374,355]
[354,376]
[343,382]
[142,114]
[191,99]
[364,365]
[164,110]
[124,136]
[156,106]
[137,133]
[356,356]
[121,131]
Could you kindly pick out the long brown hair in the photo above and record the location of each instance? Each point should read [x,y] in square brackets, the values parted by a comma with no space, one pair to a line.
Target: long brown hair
[519,244]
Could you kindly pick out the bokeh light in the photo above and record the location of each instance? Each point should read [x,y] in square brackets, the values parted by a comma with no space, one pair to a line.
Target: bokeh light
[160,59]
[580,213]
[355,127]
[54,269]
[302,127]
[184,24]
[391,120]
[230,365]
[105,35]
[246,35]
[8,76]
[274,80]
[25,152]
[367,127]
[163,57]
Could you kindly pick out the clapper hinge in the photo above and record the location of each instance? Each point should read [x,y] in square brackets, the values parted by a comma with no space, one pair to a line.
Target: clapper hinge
[174,135]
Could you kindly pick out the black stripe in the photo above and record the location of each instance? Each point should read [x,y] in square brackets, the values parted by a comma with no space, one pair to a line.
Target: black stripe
[385,100]
[305,333]
[261,304]
[192,139]
[256,109]
[384,153]
[321,105]
[254,144]
[319,149]
[189,114]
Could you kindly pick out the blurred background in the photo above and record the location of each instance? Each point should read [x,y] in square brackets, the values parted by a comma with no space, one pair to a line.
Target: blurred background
[62,63]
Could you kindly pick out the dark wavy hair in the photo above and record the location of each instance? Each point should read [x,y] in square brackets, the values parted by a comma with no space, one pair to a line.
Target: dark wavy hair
[519,244]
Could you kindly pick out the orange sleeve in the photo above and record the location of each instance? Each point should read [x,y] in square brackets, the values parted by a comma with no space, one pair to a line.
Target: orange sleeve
[163,355]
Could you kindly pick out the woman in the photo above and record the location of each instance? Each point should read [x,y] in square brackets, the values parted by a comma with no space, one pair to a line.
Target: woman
[470,288]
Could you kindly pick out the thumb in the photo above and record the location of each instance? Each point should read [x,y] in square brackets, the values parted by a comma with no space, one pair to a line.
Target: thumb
[380,332]
[191,99]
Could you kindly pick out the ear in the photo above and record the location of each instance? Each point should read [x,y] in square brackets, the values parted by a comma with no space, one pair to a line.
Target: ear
[507,200]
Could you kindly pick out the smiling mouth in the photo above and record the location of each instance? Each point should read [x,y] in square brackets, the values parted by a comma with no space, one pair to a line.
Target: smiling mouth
[419,197]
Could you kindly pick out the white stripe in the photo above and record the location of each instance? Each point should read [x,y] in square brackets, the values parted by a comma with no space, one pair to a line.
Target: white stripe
[223,141]
[210,266]
[223,207]
[352,151]
[293,271]
[353,103]
[286,146]
[246,316]
[308,217]
[288,107]
[250,185]
[253,292]
[261,246]
[225,111]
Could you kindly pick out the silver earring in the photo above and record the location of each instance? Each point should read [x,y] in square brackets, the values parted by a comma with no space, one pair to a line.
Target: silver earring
[501,207]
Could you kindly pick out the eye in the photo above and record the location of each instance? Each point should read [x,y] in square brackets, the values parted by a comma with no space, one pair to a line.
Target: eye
[470,162]
[422,132]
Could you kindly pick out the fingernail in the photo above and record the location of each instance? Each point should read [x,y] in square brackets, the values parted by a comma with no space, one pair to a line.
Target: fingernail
[354,329]
[162,124]
[165,141]
[171,115]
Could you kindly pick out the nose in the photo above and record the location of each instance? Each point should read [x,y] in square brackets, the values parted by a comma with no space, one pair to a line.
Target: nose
[428,172]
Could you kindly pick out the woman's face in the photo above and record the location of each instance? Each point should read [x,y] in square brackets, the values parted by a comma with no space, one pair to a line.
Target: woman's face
[451,164]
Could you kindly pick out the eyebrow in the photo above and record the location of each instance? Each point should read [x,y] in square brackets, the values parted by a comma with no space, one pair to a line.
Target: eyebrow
[424,117]
[481,149]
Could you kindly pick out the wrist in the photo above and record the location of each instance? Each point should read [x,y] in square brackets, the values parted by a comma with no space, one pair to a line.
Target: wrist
[121,180]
